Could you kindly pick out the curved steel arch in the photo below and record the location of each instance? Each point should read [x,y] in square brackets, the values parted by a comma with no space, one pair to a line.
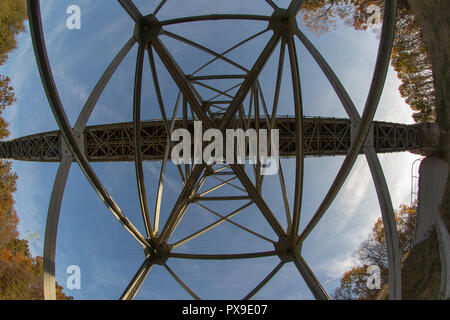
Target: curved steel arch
[385,202]
[289,243]
[63,172]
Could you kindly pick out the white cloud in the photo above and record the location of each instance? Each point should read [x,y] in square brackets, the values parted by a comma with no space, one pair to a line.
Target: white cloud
[155,170]
[32,198]
[335,268]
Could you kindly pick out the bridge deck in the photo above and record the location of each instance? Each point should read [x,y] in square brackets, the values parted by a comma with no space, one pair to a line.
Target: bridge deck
[114,142]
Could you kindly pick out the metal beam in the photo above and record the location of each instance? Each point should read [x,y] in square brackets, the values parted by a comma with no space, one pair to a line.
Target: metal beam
[51,228]
[235,256]
[182,203]
[203,48]
[299,156]
[272,4]
[257,198]
[229,50]
[135,284]
[211,226]
[312,282]
[161,4]
[295,6]
[389,223]
[212,17]
[181,283]
[131,9]
[236,224]
[163,169]
[264,281]
[137,141]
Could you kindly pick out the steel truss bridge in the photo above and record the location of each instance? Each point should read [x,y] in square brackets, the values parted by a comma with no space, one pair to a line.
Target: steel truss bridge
[147,140]
[115,142]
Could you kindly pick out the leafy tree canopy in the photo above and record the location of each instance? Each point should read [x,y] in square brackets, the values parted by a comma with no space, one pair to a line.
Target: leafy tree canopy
[373,252]
[410,57]
[13,13]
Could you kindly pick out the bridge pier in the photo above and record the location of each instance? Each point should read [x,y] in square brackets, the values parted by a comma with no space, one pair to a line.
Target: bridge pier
[433,174]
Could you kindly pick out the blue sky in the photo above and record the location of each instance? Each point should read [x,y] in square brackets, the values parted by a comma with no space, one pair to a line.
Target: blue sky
[89,236]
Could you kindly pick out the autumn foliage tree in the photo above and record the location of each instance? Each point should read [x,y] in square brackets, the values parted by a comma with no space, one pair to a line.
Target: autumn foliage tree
[12,16]
[320,15]
[7,98]
[411,60]
[8,217]
[21,274]
[373,251]
[410,57]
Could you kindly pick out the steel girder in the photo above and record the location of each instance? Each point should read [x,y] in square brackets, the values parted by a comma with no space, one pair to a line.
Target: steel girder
[115,142]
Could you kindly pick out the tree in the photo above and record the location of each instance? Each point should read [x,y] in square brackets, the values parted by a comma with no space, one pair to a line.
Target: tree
[410,57]
[21,274]
[320,15]
[411,60]
[8,227]
[353,285]
[13,13]
[7,97]
[8,217]
[373,251]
